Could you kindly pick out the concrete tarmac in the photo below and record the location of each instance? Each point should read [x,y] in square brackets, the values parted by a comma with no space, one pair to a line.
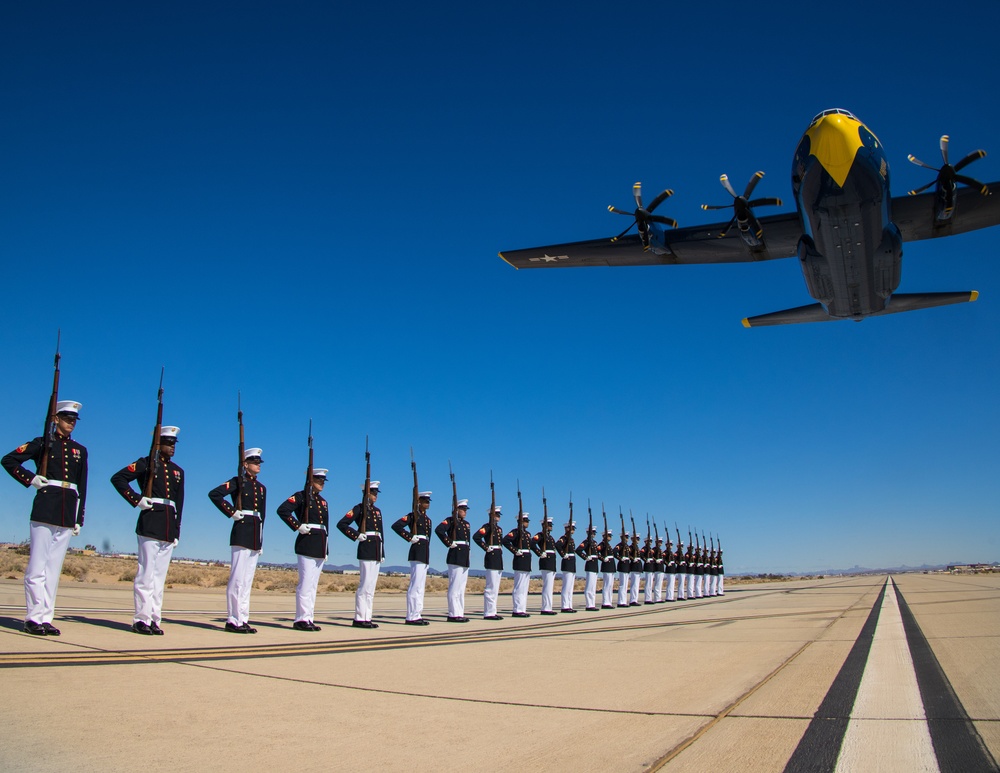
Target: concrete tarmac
[804,675]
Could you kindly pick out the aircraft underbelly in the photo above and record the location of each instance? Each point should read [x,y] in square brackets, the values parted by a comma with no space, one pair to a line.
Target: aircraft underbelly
[851,254]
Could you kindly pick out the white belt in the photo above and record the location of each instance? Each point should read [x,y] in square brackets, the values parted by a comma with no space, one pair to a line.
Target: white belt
[65,484]
[458,543]
[550,552]
[372,534]
[590,558]
[522,552]
[314,526]
[159,501]
[419,536]
[249,513]
[492,547]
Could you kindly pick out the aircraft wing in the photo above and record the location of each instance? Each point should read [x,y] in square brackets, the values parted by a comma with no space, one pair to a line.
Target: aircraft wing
[914,215]
[695,244]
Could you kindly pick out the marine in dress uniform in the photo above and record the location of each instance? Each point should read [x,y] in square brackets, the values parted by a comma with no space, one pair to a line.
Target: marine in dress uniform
[566,548]
[246,538]
[489,538]
[56,512]
[722,571]
[368,533]
[455,535]
[680,558]
[158,527]
[587,550]
[699,574]
[312,525]
[623,552]
[654,575]
[544,547]
[669,570]
[692,573]
[518,542]
[607,555]
[416,529]
[636,571]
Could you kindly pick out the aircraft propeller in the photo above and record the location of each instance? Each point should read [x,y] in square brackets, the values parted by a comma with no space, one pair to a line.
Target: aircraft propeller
[750,228]
[948,174]
[643,216]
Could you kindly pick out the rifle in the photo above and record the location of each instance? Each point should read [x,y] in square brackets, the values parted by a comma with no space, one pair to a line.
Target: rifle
[590,529]
[414,518]
[605,542]
[635,548]
[154,450]
[493,511]
[656,531]
[307,492]
[625,543]
[49,428]
[454,505]
[545,525]
[366,504]
[679,543]
[569,527]
[520,518]
[240,464]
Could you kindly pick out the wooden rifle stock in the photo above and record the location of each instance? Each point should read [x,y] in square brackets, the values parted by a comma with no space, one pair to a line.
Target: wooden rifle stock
[307,492]
[154,449]
[49,428]
[520,519]
[493,512]
[240,464]
[454,505]
[414,517]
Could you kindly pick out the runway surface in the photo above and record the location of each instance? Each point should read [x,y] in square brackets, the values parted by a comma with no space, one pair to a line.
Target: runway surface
[847,674]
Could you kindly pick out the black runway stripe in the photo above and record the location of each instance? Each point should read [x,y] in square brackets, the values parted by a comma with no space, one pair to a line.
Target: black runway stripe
[819,747]
[957,744]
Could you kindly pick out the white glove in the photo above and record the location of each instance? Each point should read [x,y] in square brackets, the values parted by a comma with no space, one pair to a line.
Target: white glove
[237,516]
[414,540]
[145,503]
[174,543]
[76,530]
[39,482]
[362,537]
[304,528]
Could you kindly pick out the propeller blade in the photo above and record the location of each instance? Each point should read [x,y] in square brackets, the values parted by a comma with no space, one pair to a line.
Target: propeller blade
[728,226]
[659,200]
[973,156]
[724,179]
[914,160]
[620,211]
[716,206]
[973,184]
[616,238]
[752,184]
[664,220]
[637,193]
[915,191]
[765,202]
[944,147]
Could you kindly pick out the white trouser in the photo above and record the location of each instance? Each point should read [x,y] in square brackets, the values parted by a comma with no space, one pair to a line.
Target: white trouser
[608,589]
[722,584]
[415,591]
[692,580]
[699,586]
[590,590]
[305,592]
[519,596]
[41,577]
[633,591]
[154,561]
[658,592]
[241,571]
[682,586]
[365,597]
[568,583]
[491,592]
[548,582]
[458,576]
[650,587]
[671,585]
[623,589]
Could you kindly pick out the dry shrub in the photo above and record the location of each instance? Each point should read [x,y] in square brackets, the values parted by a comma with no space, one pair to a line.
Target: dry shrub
[277,582]
[12,560]
[341,584]
[75,568]
[127,576]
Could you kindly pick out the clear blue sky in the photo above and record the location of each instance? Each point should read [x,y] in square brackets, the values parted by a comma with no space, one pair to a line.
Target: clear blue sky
[304,202]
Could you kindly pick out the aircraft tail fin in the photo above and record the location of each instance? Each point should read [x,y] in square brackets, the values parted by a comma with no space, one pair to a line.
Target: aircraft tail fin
[897,303]
[814,312]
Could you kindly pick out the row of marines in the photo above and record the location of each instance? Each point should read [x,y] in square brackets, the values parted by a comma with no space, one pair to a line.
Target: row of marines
[58,513]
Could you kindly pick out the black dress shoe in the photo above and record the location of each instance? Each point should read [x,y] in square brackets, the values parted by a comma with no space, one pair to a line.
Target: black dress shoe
[458,619]
[591,609]
[301,625]
[570,611]
[549,612]
[314,627]
[424,622]
[157,631]
[520,614]
[50,630]
[493,617]
[607,606]
[634,604]
[232,628]
[418,621]
[247,628]
[364,624]
[30,626]
[140,627]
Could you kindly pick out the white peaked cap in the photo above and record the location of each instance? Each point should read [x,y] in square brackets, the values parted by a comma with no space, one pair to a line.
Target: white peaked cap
[252,452]
[569,524]
[372,485]
[463,503]
[68,406]
[498,508]
[320,472]
[525,515]
[169,431]
[424,495]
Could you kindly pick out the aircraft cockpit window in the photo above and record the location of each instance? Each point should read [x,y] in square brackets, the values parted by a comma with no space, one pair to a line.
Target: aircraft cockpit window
[833,111]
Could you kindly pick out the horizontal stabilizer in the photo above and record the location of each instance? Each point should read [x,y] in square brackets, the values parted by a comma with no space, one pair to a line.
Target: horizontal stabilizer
[912,301]
[814,312]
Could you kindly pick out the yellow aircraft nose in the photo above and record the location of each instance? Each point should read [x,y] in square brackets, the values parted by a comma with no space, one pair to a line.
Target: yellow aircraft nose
[834,139]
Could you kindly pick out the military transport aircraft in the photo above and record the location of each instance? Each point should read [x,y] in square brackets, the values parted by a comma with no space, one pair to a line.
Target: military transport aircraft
[848,232]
